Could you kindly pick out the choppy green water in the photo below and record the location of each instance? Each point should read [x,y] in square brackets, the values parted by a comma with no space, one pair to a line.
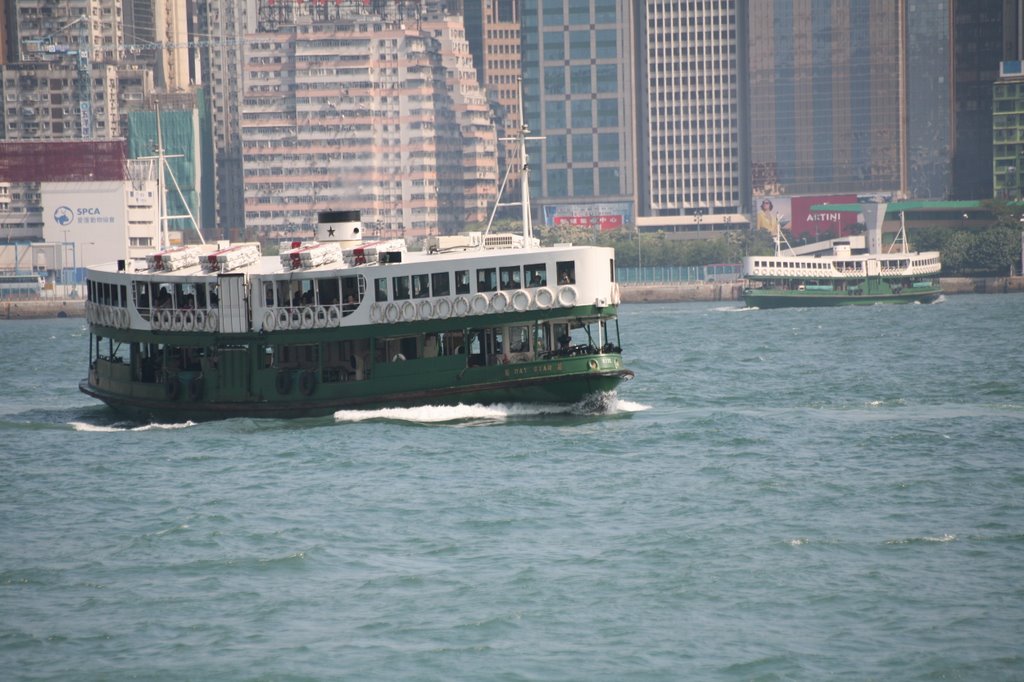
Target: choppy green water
[792,494]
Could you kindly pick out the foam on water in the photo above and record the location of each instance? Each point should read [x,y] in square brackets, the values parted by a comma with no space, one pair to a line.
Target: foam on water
[122,426]
[499,412]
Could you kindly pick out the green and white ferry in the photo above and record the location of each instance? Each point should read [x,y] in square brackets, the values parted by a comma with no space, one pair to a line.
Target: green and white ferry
[847,271]
[335,322]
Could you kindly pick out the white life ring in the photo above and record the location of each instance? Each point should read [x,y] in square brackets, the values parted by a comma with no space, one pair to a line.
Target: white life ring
[211,321]
[333,315]
[545,297]
[478,304]
[499,302]
[103,315]
[567,296]
[320,317]
[165,320]
[426,310]
[408,311]
[390,312]
[521,300]
[177,320]
[460,307]
[200,320]
[269,320]
[375,313]
[188,321]
[443,309]
[283,318]
[308,318]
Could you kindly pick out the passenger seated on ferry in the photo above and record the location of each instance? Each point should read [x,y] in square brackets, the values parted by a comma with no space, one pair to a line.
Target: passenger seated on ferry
[565,279]
[563,342]
[536,281]
[350,303]
[164,299]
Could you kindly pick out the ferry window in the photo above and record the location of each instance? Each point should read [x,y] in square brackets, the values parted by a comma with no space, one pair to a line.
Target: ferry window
[420,286]
[201,296]
[400,285]
[541,338]
[352,293]
[486,279]
[268,294]
[327,291]
[566,271]
[440,282]
[511,277]
[536,275]
[141,293]
[611,264]
[284,295]
[380,289]
[462,281]
[519,339]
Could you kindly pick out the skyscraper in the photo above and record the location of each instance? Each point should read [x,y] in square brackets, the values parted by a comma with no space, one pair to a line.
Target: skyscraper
[693,151]
[580,93]
[827,111]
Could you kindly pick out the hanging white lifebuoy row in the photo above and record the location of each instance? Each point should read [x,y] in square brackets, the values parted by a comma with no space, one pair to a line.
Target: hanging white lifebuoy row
[519,301]
[108,316]
[179,320]
[309,317]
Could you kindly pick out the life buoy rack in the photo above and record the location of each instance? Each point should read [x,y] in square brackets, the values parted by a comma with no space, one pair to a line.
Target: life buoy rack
[443,309]
[544,298]
[333,315]
[307,382]
[408,311]
[460,307]
[426,310]
[283,382]
[499,302]
[195,388]
[567,296]
[269,321]
[478,304]
[521,301]
[391,313]
[172,388]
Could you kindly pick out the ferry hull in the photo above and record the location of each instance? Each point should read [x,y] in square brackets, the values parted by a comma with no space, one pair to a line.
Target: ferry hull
[562,381]
[768,298]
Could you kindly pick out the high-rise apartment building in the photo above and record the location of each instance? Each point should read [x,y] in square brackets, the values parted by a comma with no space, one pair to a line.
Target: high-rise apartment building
[62,80]
[693,151]
[223,24]
[579,82]
[353,109]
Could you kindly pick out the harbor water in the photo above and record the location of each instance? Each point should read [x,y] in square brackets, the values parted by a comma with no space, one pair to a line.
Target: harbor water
[779,495]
